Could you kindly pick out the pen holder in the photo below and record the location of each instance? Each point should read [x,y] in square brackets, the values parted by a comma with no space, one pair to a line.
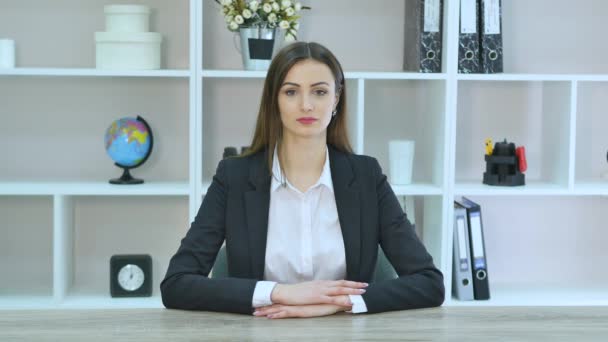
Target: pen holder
[503,166]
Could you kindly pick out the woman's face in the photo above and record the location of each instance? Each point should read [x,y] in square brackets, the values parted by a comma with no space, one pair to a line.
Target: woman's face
[307,98]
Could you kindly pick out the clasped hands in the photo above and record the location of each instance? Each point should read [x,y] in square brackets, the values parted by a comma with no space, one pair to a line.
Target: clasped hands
[311,299]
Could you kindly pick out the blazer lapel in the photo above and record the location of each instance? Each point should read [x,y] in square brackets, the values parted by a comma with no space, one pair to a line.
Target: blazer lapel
[347,196]
[257,204]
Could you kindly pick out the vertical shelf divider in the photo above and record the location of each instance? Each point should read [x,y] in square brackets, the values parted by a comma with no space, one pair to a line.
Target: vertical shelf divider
[194,100]
[63,246]
[450,40]
[198,129]
[360,116]
[572,135]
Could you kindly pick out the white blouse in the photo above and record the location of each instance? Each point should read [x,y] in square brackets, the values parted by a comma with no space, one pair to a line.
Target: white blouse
[304,240]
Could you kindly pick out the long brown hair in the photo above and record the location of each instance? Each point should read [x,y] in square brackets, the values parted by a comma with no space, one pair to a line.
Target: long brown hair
[269,128]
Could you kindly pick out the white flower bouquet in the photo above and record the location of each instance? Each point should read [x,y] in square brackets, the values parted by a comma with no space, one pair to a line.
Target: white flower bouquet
[263,13]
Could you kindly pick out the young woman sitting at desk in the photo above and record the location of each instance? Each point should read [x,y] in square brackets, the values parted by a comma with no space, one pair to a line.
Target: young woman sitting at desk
[301,215]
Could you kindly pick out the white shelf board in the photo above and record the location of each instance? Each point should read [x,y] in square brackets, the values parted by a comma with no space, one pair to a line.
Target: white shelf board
[347,75]
[417,189]
[532,77]
[93,188]
[92,72]
[26,302]
[556,295]
[531,188]
[394,75]
[598,187]
[108,302]
[78,302]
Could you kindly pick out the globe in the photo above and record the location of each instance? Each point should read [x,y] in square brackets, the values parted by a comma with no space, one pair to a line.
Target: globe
[128,142]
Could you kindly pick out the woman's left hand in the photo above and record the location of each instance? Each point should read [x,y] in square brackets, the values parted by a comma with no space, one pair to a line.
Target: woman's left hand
[301,311]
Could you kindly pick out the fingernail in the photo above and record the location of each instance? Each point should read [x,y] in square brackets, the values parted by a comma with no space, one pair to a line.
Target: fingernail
[255,313]
[365,284]
[362,290]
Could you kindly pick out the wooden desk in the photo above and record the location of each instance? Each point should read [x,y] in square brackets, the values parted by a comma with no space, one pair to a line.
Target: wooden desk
[445,323]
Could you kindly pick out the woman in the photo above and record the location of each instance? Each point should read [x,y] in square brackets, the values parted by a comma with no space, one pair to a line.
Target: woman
[302,216]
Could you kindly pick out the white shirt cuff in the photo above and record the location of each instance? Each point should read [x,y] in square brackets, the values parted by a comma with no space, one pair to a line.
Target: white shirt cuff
[262,292]
[358,304]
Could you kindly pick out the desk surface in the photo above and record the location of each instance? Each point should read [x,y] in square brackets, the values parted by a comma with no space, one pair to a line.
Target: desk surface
[444,323]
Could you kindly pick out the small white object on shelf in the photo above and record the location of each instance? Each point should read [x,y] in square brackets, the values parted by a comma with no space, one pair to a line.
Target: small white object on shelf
[126,43]
[401,160]
[127,18]
[7,54]
[136,50]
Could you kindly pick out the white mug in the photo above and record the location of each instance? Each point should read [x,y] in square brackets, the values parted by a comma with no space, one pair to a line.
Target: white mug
[401,161]
[7,53]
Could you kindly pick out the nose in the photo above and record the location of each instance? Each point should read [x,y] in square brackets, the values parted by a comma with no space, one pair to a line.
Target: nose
[307,105]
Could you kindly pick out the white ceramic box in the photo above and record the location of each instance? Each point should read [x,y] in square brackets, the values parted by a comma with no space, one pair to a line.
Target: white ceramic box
[126,43]
[127,18]
[136,50]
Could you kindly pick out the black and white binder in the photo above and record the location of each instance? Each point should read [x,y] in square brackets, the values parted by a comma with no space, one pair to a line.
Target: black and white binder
[423,35]
[481,285]
[490,31]
[462,280]
[468,38]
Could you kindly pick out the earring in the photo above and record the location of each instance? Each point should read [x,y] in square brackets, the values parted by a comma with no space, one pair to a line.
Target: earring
[334,112]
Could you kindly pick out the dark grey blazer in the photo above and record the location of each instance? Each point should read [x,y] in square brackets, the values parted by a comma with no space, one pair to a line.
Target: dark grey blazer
[236,209]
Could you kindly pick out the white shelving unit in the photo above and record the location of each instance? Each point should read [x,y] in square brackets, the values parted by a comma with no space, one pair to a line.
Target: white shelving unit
[60,221]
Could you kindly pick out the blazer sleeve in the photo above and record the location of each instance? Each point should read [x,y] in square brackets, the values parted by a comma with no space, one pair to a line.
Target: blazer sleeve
[186,284]
[420,283]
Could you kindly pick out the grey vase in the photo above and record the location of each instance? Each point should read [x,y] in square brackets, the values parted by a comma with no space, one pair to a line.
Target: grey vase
[259,45]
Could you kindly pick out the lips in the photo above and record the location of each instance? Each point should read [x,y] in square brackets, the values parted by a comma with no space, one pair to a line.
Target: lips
[307,120]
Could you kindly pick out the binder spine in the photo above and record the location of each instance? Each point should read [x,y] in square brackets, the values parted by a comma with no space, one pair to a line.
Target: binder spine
[423,35]
[490,30]
[468,42]
[462,281]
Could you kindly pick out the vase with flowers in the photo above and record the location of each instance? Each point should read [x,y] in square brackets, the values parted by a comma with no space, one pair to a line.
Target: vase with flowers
[263,26]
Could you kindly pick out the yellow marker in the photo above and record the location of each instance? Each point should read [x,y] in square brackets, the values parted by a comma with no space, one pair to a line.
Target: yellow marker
[489,147]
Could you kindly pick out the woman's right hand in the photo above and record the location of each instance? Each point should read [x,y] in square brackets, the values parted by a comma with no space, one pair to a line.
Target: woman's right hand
[317,292]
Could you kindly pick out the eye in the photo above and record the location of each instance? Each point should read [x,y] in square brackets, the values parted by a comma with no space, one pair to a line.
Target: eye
[290,92]
[320,92]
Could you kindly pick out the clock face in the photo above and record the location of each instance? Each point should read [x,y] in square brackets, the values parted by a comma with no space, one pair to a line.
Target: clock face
[131,277]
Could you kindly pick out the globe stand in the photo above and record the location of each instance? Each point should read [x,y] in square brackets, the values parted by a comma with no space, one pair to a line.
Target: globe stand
[126,178]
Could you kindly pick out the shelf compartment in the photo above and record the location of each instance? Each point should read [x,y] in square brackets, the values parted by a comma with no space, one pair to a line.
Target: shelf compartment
[375,54]
[26,247]
[540,295]
[411,110]
[555,45]
[63,129]
[154,226]
[547,244]
[591,138]
[531,114]
[59,45]
[93,188]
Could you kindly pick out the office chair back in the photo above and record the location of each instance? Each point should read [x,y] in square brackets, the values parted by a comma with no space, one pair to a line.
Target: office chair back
[384,269]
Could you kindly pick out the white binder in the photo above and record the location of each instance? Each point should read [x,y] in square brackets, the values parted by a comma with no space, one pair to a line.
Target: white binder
[462,276]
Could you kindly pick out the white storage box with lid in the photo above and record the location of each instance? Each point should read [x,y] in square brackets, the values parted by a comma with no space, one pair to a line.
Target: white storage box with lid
[127,18]
[129,50]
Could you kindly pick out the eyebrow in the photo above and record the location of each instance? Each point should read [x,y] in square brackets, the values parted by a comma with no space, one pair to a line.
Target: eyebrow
[312,85]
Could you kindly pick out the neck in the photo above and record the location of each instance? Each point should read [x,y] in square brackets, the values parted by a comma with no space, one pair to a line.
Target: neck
[302,156]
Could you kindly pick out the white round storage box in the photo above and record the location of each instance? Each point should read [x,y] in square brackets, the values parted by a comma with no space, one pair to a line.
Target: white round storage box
[131,50]
[127,18]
